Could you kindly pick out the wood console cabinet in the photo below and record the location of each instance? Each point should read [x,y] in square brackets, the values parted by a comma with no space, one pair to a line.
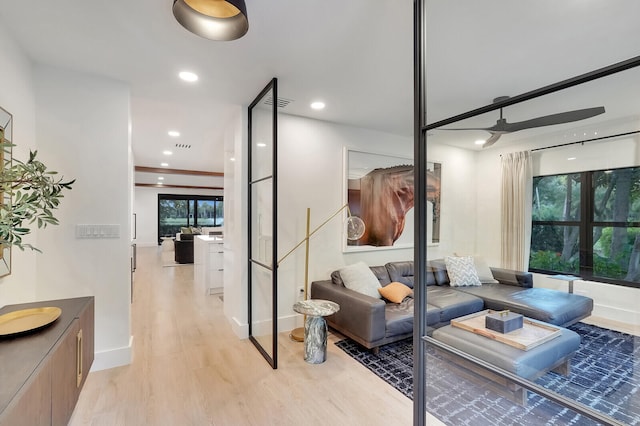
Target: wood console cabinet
[42,372]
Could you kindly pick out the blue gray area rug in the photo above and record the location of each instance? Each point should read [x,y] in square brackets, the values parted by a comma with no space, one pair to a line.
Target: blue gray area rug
[605,375]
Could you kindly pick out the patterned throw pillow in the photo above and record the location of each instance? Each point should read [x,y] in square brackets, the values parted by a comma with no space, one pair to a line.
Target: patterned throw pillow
[462,271]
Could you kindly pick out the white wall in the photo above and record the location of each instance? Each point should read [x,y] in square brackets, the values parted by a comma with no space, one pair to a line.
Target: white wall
[146,210]
[458,201]
[79,124]
[310,167]
[17,96]
[83,131]
[235,219]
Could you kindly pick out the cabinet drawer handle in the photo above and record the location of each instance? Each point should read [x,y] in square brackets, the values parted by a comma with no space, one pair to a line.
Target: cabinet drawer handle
[79,371]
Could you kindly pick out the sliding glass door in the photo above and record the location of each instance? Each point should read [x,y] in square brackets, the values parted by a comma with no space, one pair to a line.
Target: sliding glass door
[177,211]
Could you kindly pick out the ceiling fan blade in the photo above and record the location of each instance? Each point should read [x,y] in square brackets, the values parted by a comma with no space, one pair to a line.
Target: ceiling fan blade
[548,120]
[469,128]
[493,139]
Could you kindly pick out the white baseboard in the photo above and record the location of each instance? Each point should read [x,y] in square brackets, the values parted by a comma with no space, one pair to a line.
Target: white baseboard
[285,323]
[113,357]
[147,244]
[616,314]
[240,329]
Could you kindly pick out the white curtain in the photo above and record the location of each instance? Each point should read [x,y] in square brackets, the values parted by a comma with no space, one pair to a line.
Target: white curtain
[517,184]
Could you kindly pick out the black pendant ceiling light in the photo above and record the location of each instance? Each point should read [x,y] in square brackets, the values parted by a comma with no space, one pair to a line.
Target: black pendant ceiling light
[221,20]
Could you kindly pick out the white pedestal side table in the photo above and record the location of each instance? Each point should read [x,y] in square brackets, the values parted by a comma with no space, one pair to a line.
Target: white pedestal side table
[167,243]
[315,327]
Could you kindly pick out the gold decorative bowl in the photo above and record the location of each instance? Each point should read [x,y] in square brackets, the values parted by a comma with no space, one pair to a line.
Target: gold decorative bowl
[27,320]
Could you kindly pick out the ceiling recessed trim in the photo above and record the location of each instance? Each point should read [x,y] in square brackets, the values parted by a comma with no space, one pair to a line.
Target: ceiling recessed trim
[157,185]
[144,169]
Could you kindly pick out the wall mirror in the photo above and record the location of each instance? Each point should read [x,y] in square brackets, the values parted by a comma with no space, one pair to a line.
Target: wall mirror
[6,138]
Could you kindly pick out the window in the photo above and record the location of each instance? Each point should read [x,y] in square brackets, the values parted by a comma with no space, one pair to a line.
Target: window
[176,211]
[588,224]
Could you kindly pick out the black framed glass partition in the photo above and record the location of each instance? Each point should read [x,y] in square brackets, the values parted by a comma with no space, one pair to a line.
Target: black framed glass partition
[262,206]
[587,131]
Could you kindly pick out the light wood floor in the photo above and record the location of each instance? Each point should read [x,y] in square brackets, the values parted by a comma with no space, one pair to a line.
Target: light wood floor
[190,369]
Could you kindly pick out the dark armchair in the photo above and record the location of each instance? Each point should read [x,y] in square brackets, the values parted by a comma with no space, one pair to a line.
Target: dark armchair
[184,249]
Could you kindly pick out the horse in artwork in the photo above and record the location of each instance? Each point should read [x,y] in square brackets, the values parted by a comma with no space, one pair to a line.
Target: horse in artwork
[385,197]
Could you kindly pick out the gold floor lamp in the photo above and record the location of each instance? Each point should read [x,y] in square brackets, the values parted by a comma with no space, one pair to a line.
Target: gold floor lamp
[355,230]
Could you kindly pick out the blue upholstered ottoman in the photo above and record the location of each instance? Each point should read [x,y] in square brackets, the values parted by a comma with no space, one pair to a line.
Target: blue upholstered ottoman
[554,355]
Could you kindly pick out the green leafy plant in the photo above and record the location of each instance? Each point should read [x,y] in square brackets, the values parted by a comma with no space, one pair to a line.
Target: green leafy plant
[35,193]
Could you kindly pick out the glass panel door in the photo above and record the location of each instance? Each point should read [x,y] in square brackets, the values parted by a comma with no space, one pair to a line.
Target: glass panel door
[263,325]
[172,215]
[209,212]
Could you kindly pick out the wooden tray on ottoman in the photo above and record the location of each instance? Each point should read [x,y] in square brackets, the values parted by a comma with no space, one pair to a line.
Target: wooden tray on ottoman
[532,333]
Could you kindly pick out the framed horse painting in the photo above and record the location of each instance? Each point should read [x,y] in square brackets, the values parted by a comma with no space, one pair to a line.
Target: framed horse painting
[379,189]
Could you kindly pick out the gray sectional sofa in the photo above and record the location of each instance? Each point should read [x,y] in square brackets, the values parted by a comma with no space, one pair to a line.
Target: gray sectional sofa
[373,322]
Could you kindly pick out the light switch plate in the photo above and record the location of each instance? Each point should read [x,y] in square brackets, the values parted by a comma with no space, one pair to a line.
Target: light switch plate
[97,231]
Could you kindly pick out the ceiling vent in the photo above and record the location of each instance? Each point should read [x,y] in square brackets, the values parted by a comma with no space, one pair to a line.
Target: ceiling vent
[183,145]
[282,102]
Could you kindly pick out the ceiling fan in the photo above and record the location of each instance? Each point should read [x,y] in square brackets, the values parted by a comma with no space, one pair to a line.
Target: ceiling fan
[502,127]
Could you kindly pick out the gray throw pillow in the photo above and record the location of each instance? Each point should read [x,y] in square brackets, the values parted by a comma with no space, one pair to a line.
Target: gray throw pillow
[360,278]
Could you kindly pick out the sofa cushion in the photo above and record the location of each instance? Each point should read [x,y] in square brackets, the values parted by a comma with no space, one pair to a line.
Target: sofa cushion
[552,306]
[360,278]
[453,303]
[439,271]
[433,314]
[401,272]
[399,318]
[511,277]
[462,271]
[395,292]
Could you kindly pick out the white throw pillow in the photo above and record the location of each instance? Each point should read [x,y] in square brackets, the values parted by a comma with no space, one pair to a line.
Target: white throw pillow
[360,278]
[462,271]
[484,272]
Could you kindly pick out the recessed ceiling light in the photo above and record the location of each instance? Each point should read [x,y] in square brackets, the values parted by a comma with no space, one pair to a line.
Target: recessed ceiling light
[174,133]
[188,76]
[167,152]
[160,178]
[571,158]
[480,142]
[261,144]
[317,105]
[164,164]
[232,159]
